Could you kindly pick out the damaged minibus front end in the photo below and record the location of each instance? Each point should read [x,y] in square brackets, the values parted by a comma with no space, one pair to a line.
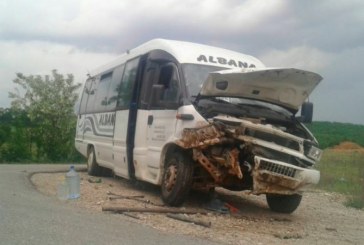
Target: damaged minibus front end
[251,139]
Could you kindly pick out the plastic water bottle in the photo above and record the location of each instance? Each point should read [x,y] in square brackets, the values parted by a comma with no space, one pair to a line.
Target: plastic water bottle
[73,183]
[62,191]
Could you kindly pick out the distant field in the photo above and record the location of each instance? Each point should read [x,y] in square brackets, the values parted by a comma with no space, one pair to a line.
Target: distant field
[330,134]
[342,170]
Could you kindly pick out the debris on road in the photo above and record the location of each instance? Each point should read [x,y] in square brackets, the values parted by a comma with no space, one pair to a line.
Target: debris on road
[94,180]
[131,215]
[138,198]
[217,205]
[231,208]
[185,218]
[253,223]
[150,210]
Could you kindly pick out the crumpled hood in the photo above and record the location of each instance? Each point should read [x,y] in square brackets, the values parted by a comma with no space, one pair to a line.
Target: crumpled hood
[287,87]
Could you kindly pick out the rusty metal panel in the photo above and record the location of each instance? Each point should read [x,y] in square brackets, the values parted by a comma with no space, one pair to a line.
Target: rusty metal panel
[211,168]
[199,137]
[219,147]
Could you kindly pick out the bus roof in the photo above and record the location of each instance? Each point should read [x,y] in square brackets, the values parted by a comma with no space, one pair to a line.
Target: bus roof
[187,52]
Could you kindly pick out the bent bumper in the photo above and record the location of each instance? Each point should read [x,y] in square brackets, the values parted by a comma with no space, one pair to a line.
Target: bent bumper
[271,176]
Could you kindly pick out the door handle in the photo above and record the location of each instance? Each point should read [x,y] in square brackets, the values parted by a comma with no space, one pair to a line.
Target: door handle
[150,119]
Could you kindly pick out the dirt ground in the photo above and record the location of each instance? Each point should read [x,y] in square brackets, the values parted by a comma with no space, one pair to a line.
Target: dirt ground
[347,146]
[321,218]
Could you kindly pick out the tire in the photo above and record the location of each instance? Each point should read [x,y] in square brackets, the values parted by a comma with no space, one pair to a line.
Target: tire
[92,167]
[177,179]
[283,203]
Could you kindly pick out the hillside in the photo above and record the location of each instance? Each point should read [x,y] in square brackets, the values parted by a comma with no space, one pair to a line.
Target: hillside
[330,134]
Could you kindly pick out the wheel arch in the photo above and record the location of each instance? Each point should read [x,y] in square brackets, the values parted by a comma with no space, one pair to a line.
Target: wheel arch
[89,146]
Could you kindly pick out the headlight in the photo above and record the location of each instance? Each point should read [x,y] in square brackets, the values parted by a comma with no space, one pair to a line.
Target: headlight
[314,153]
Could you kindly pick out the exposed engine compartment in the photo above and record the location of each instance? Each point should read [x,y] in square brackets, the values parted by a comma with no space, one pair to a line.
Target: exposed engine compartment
[242,150]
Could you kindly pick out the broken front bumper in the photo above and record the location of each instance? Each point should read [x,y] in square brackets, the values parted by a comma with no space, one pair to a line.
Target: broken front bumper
[271,176]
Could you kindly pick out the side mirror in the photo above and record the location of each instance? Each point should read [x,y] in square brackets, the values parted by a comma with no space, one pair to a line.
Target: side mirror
[157,91]
[222,85]
[306,112]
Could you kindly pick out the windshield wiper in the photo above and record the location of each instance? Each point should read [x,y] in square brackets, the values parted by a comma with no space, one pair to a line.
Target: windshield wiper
[214,99]
[198,97]
[267,112]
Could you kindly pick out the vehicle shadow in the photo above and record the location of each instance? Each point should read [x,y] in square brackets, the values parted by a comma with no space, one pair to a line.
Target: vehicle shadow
[235,203]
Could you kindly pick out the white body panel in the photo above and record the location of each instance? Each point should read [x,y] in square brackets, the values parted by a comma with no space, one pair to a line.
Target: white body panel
[190,53]
[98,130]
[150,140]
[119,146]
[287,87]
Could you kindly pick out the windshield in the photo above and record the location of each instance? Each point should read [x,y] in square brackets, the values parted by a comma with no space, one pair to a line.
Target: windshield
[250,108]
[195,75]
[259,104]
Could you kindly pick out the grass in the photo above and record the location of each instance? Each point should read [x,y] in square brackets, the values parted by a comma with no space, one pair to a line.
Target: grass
[343,172]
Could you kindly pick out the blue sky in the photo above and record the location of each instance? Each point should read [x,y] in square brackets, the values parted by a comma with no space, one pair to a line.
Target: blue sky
[71,36]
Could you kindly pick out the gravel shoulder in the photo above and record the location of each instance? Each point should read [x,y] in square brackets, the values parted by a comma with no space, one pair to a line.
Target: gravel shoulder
[321,218]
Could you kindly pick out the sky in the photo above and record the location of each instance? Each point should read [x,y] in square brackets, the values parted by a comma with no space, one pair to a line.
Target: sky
[74,37]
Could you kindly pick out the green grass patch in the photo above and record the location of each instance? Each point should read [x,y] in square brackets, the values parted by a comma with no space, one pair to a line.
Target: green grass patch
[343,172]
[330,134]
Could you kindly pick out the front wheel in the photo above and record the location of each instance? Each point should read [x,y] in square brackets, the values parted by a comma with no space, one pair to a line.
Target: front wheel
[177,178]
[283,203]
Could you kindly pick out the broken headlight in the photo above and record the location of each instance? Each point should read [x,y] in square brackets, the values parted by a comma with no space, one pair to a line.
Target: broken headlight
[314,153]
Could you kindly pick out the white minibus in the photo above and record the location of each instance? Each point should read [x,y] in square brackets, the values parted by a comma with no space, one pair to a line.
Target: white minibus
[183,115]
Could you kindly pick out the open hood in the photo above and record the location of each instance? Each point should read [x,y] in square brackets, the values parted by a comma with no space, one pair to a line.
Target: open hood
[287,87]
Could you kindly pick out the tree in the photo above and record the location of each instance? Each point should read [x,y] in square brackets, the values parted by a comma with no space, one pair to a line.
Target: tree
[49,102]
[15,136]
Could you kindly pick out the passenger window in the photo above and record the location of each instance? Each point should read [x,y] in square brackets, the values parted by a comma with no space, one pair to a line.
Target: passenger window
[114,88]
[84,98]
[102,90]
[127,84]
[91,95]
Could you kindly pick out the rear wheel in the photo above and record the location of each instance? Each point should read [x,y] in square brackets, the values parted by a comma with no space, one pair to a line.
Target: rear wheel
[177,179]
[283,203]
[92,167]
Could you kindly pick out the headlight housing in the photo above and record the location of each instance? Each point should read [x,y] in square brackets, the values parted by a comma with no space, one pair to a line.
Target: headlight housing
[314,153]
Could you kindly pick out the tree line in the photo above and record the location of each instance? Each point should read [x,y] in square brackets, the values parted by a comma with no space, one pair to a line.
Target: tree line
[330,134]
[40,124]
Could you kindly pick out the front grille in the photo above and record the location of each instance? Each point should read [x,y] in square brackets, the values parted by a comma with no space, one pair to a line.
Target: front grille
[281,156]
[279,140]
[278,169]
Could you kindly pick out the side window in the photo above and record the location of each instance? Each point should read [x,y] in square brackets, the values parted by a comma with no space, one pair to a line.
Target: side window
[160,87]
[91,95]
[127,84]
[114,88]
[101,92]
[84,98]
[168,77]
[149,77]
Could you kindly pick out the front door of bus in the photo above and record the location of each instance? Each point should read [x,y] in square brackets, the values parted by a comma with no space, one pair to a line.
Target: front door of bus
[156,120]
[121,130]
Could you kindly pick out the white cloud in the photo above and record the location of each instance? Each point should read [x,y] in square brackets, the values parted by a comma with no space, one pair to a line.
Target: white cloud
[339,96]
[96,19]
[302,57]
[74,36]
[41,58]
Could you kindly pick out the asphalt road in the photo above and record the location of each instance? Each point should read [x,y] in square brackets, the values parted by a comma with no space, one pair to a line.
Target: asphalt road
[29,217]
